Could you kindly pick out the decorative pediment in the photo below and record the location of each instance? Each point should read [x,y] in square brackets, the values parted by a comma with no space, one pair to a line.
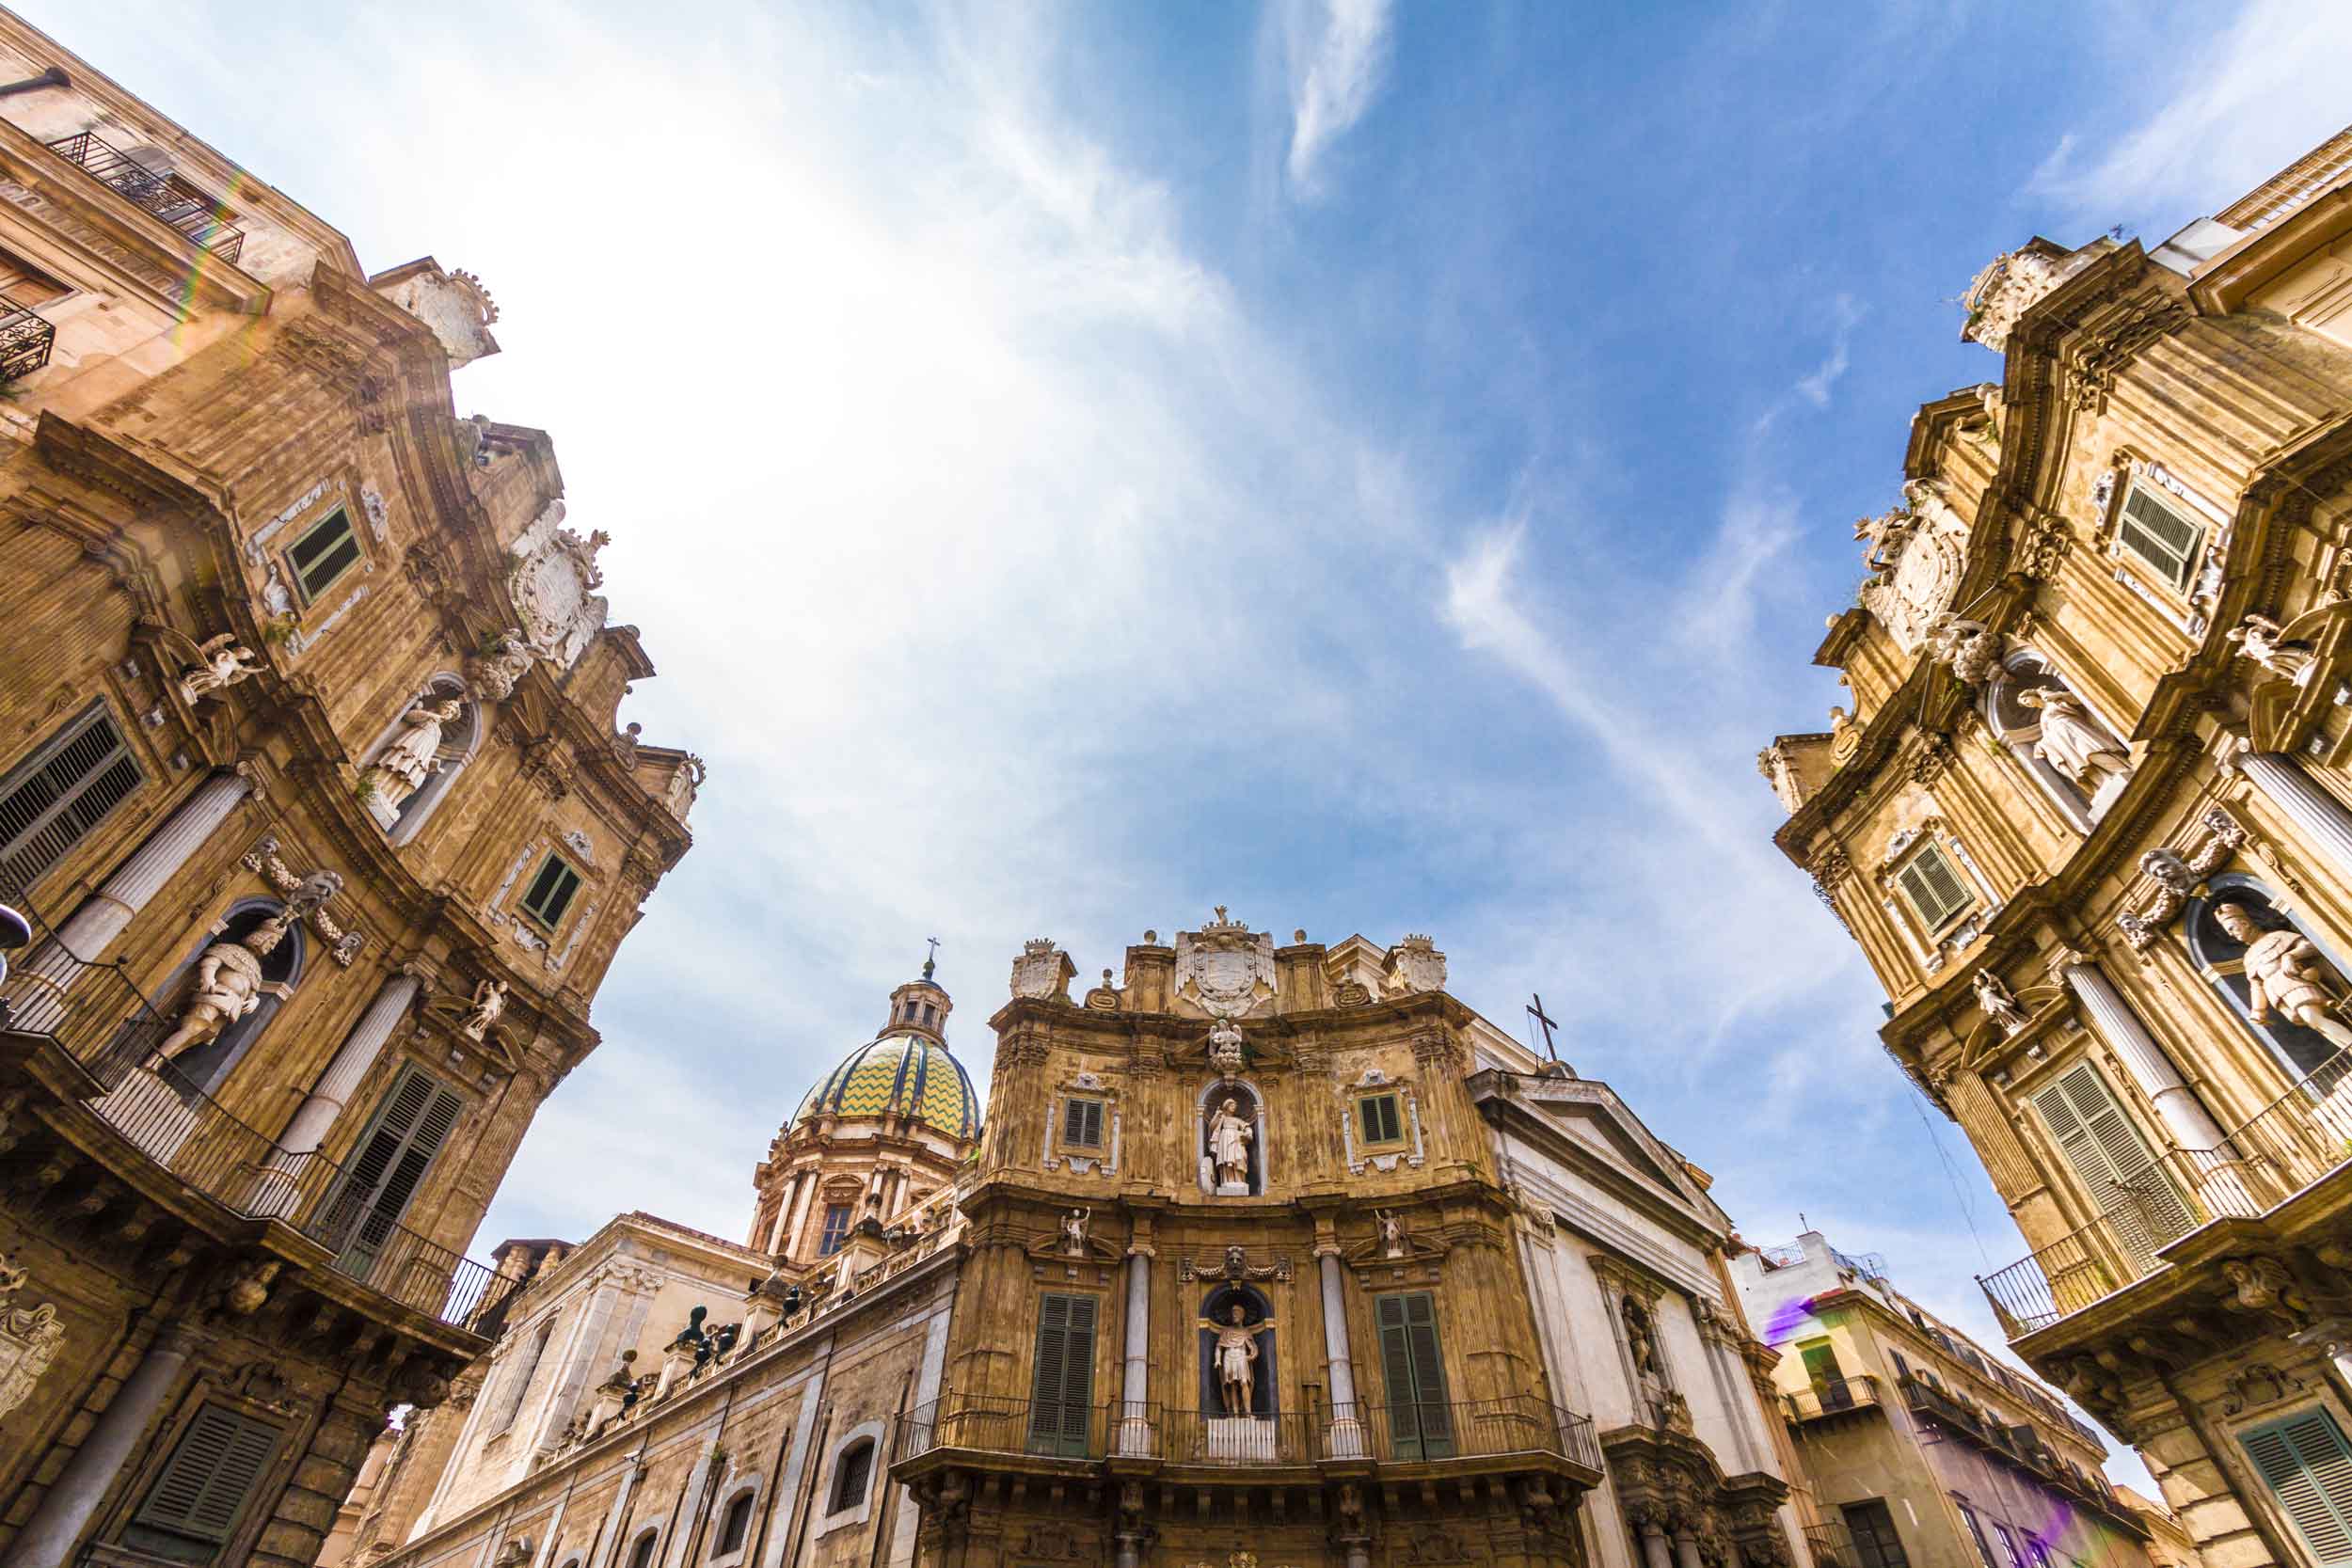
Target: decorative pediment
[1596,1119]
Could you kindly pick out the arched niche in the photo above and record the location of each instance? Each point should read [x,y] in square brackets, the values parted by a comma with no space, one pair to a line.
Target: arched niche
[2019,727]
[1257,1313]
[2220,958]
[207,1067]
[1249,1105]
[461,740]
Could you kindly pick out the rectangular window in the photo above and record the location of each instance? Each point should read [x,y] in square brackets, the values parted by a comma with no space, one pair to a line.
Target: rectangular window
[321,553]
[27,285]
[1421,1422]
[1061,1381]
[836,1229]
[1976,1533]
[192,1509]
[1872,1527]
[390,1165]
[2308,1466]
[517,1384]
[1082,1123]
[1380,1120]
[1934,888]
[2010,1556]
[2113,1162]
[550,891]
[2162,534]
[52,801]
[2035,1549]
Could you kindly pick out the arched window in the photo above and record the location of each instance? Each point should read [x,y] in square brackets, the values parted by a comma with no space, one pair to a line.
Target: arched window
[735,1525]
[2220,956]
[852,1473]
[641,1554]
[460,740]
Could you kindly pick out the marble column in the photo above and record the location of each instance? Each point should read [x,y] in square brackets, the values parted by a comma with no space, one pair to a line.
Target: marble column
[105,914]
[1687,1550]
[307,1128]
[1348,1422]
[1135,1424]
[48,1537]
[1654,1552]
[2185,1115]
[2317,814]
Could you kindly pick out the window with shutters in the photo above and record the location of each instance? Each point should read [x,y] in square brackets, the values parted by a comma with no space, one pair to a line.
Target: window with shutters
[321,553]
[550,891]
[1872,1527]
[1082,1123]
[836,1229]
[2306,1463]
[381,1179]
[25,285]
[195,1505]
[54,797]
[2118,1171]
[1379,1119]
[2162,533]
[517,1384]
[1062,1379]
[1421,1422]
[1976,1534]
[1934,889]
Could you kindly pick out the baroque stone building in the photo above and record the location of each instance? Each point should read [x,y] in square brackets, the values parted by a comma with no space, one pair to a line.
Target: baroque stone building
[312,791]
[2087,816]
[1929,1451]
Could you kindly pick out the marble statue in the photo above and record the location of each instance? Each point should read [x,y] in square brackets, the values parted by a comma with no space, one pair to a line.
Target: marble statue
[1639,1340]
[2262,640]
[1236,1361]
[1074,1231]
[1228,1145]
[2286,975]
[1391,1234]
[2071,740]
[1999,1003]
[413,756]
[214,664]
[1225,1046]
[228,986]
[489,1001]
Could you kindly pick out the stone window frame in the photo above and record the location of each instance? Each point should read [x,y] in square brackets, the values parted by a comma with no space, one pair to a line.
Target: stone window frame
[2187,605]
[628,1557]
[877,1477]
[1409,1147]
[1933,948]
[746,1486]
[212,1391]
[1083,1159]
[514,1388]
[1257,1133]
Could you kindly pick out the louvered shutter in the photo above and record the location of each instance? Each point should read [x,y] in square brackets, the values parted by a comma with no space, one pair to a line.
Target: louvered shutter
[2115,1163]
[2308,1468]
[2160,537]
[1936,892]
[392,1161]
[1420,1421]
[1381,1125]
[51,803]
[204,1485]
[1082,1124]
[1061,1385]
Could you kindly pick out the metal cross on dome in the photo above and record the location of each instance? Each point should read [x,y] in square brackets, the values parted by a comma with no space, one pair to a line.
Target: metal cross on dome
[932,962]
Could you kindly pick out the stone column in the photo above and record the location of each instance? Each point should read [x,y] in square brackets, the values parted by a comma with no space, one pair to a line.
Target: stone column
[1348,1420]
[307,1128]
[2315,812]
[1687,1550]
[48,1537]
[103,915]
[1134,1423]
[1654,1552]
[2185,1115]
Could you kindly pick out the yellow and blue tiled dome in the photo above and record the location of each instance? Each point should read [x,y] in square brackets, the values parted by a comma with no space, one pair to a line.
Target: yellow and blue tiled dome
[899,1074]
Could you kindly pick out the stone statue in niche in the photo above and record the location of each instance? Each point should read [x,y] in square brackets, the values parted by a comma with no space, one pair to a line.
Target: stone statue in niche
[1074,1231]
[1236,1361]
[1391,1234]
[228,986]
[1999,1003]
[1225,1047]
[1640,1340]
[489,1001]
[410,757]
[2071,740]
[2264,640]
[1229,1138]
[2286,975]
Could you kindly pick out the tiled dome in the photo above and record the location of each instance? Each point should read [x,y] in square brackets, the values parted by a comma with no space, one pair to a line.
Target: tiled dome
[899,1074]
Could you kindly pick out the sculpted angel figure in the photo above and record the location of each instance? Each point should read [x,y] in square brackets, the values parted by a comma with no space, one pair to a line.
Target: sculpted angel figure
[1883,536]
[214,664]
[1970,648]
[1229,1144]
[1999,1003]
[2071,740]
[228,986]
[2261,639]
[415,754]
[2286,975]
[1236,1361]
[1225,1046]
[489,1001]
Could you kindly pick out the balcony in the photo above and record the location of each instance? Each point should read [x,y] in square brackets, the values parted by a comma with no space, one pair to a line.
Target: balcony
[1831,1545]
[1026,1432]
[26,340]
[98,1017]
[2295,1141]
[1840,1396]
[174,201]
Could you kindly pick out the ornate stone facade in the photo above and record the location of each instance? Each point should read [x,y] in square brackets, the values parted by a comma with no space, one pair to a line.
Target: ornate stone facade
[2113,924]
[275,841]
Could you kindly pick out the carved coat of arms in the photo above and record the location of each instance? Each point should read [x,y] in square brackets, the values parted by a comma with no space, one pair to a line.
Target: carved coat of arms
[554,580]
[29,1339]
[1225,969]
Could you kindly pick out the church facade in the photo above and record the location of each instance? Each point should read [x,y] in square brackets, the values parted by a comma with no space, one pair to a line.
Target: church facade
[2089,815]
[313,796]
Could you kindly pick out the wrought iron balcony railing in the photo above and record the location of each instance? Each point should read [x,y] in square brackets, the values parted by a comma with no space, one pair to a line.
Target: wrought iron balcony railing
[2300,1138]
[172,199]
[1831,1545]
[1838,1396]
[25,338]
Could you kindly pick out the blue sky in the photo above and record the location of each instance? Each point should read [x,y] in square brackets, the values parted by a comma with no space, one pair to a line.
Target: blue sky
[1380,469]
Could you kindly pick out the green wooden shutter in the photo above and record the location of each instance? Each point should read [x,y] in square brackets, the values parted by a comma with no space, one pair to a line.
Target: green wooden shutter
[392,1161]
[2160,535]
[1061,1384]
[1935,888]
[2308,1468]
[1420,1421]
[1381,1125]
[204,1485]
[2114,1161]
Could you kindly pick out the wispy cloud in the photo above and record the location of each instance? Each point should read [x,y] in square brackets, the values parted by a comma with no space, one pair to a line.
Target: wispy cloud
[1339,54]
[1815,387]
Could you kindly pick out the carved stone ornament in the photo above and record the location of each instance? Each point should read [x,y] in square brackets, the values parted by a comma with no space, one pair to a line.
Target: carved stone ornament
[1233,1265]
[206,669]
[306,897]
[1999,1003]
[2176,877]
[1105,997]
[554,582]
[2257,1385]
[505,659]
[1043,970]
[1915,554]
[1969,649]
[2011,286]
[2265,641]
[1414,965]
[1225,969]
[1226,1050]
[30,1338]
